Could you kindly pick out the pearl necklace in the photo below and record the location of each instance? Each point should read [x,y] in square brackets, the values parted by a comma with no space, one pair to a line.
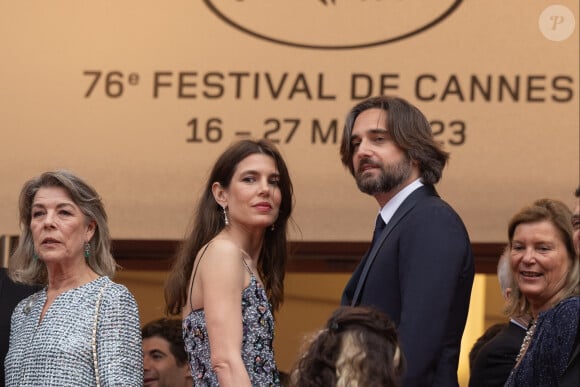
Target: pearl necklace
[526,342]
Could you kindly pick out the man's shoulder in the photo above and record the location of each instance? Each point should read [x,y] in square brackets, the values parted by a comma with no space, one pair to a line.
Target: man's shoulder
[514,331]
[435,218]
[508,338]
[426,195]
[429,202]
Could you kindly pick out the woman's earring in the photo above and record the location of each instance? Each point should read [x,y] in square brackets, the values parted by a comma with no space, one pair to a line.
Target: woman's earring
[34,256]
[87,250]
[226,220]
[273,226]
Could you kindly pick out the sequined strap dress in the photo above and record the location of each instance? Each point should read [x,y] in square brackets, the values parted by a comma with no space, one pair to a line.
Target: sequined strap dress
[257,338]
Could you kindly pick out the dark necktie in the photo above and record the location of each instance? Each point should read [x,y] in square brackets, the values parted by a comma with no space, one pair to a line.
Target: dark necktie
[379,227]
[355,299]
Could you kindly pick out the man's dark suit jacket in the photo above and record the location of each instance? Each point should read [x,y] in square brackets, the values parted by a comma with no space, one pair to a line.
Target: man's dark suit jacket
[10,295]
[497,357]
[421,277]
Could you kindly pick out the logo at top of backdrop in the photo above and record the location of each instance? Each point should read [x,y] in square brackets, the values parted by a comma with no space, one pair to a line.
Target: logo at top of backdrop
[332,24]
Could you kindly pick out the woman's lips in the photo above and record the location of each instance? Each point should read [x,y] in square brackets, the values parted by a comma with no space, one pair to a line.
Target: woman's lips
[263,206]
[50,241]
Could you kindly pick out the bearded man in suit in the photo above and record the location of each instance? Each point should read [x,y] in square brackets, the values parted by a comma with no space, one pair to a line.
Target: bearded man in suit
[419,269]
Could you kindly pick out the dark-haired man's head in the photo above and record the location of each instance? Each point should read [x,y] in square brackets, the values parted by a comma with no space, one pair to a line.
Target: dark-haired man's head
[164,358]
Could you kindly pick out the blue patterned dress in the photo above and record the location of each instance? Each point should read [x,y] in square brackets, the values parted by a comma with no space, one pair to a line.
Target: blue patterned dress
[550,348]
[258,335]
[57,351]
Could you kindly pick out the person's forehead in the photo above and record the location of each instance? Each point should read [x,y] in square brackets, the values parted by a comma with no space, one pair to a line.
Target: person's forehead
[543,227]
[370,121]
[256,162]
[156,343]
[375,116]
[52,193]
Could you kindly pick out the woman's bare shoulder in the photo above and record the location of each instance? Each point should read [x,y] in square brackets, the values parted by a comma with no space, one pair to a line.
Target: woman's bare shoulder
[220,254]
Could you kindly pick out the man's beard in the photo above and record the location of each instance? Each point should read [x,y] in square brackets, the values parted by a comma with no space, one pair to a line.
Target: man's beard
[391,176]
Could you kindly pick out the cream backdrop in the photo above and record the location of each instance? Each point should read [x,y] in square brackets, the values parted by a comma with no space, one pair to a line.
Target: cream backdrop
[178,81]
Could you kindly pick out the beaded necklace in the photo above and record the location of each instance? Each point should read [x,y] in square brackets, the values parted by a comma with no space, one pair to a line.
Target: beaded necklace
[526,342]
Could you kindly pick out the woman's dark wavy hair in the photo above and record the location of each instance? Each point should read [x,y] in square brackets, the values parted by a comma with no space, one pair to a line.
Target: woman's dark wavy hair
[208,221]
[408,128]
[358,347]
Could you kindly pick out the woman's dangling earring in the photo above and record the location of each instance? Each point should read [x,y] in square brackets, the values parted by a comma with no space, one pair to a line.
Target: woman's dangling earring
[226,220]
[34,256]
[273,227]
[87,250]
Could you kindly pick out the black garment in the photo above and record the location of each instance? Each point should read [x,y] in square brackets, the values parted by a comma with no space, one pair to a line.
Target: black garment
[497,357]
[10,295]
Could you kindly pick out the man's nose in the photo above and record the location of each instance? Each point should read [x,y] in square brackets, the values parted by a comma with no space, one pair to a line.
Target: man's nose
[146,362]
[363,150]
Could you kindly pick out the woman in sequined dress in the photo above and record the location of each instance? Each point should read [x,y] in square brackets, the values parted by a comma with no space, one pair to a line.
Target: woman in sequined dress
[545,269]
[80,314]
[228,277]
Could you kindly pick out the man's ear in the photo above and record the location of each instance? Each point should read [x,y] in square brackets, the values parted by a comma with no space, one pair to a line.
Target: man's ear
[219,194]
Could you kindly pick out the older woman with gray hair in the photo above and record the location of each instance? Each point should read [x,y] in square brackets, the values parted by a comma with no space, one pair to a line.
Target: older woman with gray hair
[81,329]
[546,286]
